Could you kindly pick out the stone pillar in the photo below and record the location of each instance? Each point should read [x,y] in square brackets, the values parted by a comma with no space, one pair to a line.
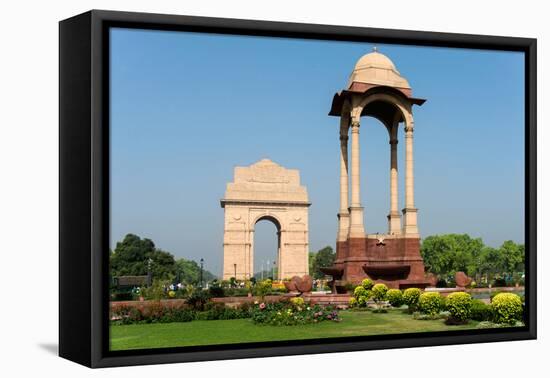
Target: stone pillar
[394,218]
[249,267]
[356,228]
[343,214]
[410,226]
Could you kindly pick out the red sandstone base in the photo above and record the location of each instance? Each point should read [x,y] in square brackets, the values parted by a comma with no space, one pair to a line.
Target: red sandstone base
[395,262]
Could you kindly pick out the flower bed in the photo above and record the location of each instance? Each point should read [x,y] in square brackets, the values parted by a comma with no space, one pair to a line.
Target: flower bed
[293,312]
[157,312]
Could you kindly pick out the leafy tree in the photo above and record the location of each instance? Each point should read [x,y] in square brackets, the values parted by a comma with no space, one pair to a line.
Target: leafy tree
[188,271]
[513,256]
[323,258]
[447,254]
[131,258]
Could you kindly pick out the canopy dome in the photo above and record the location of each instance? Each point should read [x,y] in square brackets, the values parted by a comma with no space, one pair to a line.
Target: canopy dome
[377,69]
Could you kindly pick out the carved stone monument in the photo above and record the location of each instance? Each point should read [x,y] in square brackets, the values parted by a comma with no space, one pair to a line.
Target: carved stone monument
[378,90]
[265,191]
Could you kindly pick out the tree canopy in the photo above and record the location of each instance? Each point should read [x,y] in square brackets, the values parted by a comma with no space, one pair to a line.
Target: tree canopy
[188,271]
[321,259]
[132,255]
[447,254]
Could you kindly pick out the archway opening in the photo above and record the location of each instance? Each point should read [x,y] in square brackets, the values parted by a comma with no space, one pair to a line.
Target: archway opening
[375,174]
[379,117]
[266,243]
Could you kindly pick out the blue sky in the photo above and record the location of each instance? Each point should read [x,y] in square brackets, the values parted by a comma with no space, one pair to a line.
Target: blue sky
[187,108]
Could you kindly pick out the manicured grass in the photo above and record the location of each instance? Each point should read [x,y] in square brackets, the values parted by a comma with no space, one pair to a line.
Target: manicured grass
[207,332]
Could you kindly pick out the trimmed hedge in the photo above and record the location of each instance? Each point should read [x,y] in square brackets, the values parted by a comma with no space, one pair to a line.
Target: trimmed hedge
[395,297]
[410,298]
[379,292]
[459,304]
[507,308]
[367,284]
[430,303]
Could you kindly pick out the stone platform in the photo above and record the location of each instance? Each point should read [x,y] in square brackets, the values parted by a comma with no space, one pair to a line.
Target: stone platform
[390,259]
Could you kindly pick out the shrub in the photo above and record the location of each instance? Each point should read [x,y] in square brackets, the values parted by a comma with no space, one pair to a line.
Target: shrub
[353,302]
[359,291]
[480,311]
[430,303]
[221,312]
[297,302]
[156,291]
[176,314]
[410,298]
[395,297]
[262,288]
[459,305]
[362,301]
[216,291]
[379,292]
[198,299]
[507,308]
[367,284]
[362,296]
[495,293]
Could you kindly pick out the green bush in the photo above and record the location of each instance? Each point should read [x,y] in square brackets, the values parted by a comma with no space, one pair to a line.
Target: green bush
[410,298]
[480,311]
[216,291]
[176,314]
[359,291]
[367,284]
[362,296]
[395,297]
[263,288]
[459,304]
[379,292]
[507,308]
[495,293]
[430,303]
[221,312]
[198,299]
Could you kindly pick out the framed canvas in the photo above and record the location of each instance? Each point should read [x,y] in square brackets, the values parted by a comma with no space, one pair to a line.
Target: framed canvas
[395,172]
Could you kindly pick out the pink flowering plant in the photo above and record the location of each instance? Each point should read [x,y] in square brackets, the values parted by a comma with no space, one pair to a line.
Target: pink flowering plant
[288,313]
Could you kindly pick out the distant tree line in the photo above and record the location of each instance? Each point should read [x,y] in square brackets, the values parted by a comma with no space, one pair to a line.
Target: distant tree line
[133,256]
[446,254]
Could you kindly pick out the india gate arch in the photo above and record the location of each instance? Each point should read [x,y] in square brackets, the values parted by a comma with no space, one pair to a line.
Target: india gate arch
[265,191]
[376,89]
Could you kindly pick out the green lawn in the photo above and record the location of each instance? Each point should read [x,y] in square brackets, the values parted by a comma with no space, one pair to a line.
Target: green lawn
[207,332]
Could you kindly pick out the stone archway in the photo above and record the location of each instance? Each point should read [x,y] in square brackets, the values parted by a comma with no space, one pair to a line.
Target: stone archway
[265,190]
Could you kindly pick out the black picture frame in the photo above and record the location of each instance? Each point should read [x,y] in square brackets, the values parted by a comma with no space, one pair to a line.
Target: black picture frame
[84,186]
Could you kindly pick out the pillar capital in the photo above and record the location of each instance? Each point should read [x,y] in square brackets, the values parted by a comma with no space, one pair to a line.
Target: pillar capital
[355,126]
[409,129]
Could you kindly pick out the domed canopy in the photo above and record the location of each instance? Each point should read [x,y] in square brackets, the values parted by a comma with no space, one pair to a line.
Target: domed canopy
[376,69]
[374,73]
